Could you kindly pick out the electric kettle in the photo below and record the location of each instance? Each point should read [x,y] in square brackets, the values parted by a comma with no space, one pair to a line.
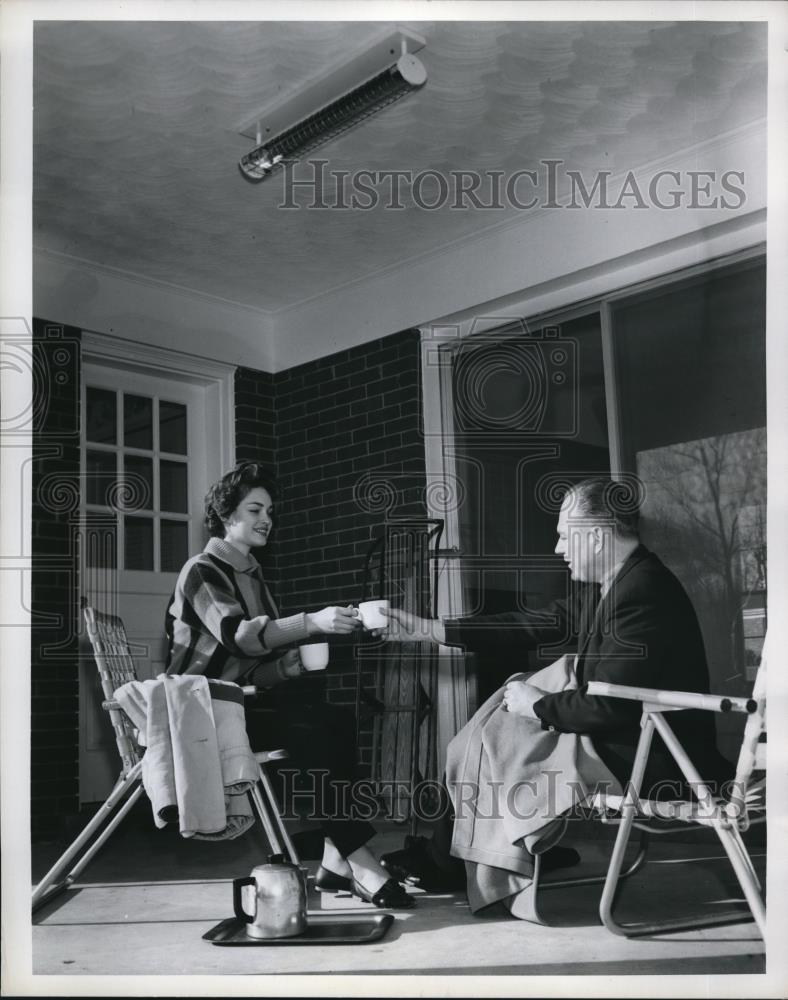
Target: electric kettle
[279,899]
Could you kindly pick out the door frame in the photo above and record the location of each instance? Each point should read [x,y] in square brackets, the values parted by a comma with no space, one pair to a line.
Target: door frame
[216,379]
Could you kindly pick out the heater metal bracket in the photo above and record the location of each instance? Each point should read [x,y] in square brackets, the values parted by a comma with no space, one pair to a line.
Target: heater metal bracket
[341,77]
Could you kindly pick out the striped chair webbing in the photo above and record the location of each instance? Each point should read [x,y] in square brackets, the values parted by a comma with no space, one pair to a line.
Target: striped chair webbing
[115,665]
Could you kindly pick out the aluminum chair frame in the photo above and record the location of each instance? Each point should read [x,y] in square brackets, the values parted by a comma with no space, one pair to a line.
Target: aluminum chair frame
[729,819]
[115,665]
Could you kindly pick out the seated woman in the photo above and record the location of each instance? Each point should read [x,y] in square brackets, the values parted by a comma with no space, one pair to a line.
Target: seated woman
[222,622]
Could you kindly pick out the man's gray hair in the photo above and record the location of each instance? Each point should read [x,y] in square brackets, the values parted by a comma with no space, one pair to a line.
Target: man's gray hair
[608,500]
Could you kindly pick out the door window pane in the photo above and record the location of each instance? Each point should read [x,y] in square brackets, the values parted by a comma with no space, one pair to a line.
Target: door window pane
[137,421]
[174,545]
[138,494]
[174,487]
[139,543]
[100,475]
[100,415]
[172,427]
[99,540]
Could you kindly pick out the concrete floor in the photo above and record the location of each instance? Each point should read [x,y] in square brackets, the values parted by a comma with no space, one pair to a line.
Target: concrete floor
[145,901]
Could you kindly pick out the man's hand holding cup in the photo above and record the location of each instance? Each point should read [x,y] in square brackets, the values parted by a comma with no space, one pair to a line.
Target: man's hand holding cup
[406,627]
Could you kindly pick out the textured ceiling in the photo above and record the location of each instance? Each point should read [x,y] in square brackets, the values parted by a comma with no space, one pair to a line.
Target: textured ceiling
[136,143]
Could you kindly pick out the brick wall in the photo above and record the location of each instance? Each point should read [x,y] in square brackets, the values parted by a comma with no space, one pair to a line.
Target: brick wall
[255,432]
[255,436]
[54,654]
[349,451]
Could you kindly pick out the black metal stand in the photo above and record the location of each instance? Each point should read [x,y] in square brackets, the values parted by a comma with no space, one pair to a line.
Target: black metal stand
[400,566]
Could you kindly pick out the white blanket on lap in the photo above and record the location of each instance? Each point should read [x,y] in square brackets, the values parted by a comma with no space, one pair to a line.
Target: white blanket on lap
[512,783]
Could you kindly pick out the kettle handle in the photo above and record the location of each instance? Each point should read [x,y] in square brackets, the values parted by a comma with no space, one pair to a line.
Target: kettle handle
[240,912]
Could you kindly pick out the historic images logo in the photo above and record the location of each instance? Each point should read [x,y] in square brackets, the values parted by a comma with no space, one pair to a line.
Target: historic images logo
[552,185]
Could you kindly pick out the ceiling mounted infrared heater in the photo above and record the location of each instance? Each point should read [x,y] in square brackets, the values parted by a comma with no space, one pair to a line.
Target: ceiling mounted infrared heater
[284,132]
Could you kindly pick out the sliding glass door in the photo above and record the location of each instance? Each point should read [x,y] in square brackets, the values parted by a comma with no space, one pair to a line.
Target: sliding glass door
[666,382]
[690,374]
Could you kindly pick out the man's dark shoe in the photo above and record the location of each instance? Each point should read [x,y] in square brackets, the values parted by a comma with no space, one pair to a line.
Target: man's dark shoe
[415,864]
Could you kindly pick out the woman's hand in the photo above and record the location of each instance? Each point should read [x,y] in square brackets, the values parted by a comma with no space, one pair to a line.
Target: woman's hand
[333,621]
[290,664]
[410,628]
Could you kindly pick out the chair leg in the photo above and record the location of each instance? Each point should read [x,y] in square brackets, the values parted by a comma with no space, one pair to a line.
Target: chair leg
[106,833]
[732,845]
[60,877]
[629,812]
[613,877]
[261,809]
[745,857]
[526,904]
[275,814]
[742,867]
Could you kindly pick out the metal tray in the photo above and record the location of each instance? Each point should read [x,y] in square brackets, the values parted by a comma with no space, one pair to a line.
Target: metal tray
[323,929]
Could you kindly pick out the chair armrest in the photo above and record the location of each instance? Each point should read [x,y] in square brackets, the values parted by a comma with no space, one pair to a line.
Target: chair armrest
[673,699]
[112,706]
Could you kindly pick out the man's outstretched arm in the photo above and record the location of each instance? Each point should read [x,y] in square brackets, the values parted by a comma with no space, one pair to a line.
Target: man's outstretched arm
[479,632]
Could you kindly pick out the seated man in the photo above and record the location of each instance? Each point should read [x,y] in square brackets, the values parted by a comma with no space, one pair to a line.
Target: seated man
[632,624]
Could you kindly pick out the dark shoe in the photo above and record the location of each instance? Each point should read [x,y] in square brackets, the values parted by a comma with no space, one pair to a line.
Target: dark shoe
[328,881]
[415,864]
[390,896]
[559,857]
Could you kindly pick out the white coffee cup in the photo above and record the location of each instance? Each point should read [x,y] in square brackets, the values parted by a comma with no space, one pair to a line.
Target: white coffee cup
[369,612]
[314,655]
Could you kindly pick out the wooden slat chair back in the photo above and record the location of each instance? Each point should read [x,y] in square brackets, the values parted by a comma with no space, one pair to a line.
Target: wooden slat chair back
[115,665]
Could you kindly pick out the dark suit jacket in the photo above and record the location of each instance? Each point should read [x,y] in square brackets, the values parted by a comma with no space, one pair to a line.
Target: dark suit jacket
[644,632]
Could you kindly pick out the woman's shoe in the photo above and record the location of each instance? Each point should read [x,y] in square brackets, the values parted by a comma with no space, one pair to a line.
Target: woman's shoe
[328,881]
[390,896]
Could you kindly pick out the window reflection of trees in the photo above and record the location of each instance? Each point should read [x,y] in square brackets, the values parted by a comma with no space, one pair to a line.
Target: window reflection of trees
[705,514]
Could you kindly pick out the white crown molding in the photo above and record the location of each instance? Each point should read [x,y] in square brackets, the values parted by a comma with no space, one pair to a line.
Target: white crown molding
[104,270]
[103,347]
[743,236]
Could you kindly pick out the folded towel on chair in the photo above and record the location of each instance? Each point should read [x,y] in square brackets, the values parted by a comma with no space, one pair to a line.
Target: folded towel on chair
[198,764]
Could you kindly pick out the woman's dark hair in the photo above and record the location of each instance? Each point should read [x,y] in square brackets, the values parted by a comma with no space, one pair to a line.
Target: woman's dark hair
[225,495]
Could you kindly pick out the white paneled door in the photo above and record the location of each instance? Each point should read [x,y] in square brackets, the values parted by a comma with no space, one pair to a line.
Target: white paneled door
[149,453]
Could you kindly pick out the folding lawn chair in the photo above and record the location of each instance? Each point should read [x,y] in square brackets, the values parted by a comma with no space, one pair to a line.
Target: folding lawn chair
[729,815]
[116,667]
